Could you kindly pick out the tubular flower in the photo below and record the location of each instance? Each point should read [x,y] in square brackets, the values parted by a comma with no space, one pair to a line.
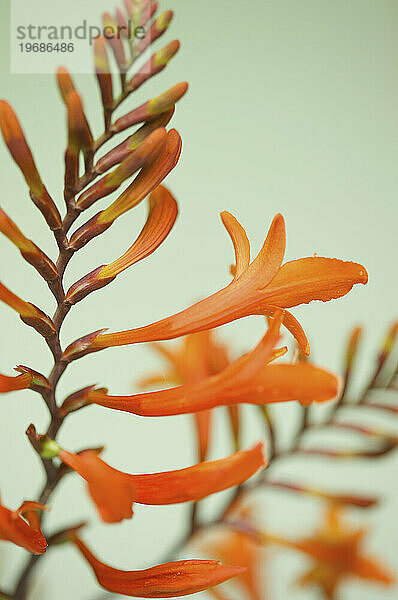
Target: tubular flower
[169,580]
[12,384]
[336,550]
[149,178]
[162,214]
[22,527]
[198,357]
[29,313]
[246,380]
[259,287]
[113,492]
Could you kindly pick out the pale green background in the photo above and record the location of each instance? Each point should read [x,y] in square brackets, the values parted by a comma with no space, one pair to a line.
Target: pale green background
[292,107]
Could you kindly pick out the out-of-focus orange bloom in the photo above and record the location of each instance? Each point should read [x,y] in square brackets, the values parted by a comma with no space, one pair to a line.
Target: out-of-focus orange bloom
[247,380]
[336,550]
[196,358]
[22,527]
[260,287]
[169,580]
[237,548]
[11,384]
[114,491]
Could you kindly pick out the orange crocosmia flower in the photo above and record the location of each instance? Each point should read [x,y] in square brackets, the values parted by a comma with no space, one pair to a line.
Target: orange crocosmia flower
[114,491]
[247,380]
[11,384]
[22,527]
[259,287]
[237,548]
[196,358]
[336,550]
[169,580]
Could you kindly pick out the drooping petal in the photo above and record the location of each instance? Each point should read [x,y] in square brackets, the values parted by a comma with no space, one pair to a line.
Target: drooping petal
[20,151]
[113,491]
[169,580]
[194,483]
[313,278]
[12,384]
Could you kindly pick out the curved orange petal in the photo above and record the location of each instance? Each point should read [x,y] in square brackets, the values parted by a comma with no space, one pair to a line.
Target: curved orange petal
[313,278]
[199,481]
[268,261]
[162,214]
[169,580]
[11,384]
[15,529]
[240,242]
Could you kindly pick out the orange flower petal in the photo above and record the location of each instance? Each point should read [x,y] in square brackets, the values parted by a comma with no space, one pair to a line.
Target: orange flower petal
[11,384]
[169,580]
[240,241]
[15,529]
[262,288]
[313,278]
[114,491]
[29,313]
[162,214]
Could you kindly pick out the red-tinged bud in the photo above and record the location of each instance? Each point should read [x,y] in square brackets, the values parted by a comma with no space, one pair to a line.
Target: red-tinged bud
[112,35]
[152,108]
[81,347]
[103,75]
[155,65]
[77,400]
[108,184]
[157,29]
[39,382]
[30,252]
[65,83]
[352,348]
[87,284]
[79,133]
[389,342]
[122,22]
[20,151]
[132,143]
[42,323]
[87,232]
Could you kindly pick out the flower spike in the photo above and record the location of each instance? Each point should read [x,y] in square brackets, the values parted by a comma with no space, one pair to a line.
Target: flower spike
[146,181]
[161,218]
[20,151]
[30,252]
[114,492]
[29,313]
[262,288]
[246,380]
[169,580]
[21,527]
